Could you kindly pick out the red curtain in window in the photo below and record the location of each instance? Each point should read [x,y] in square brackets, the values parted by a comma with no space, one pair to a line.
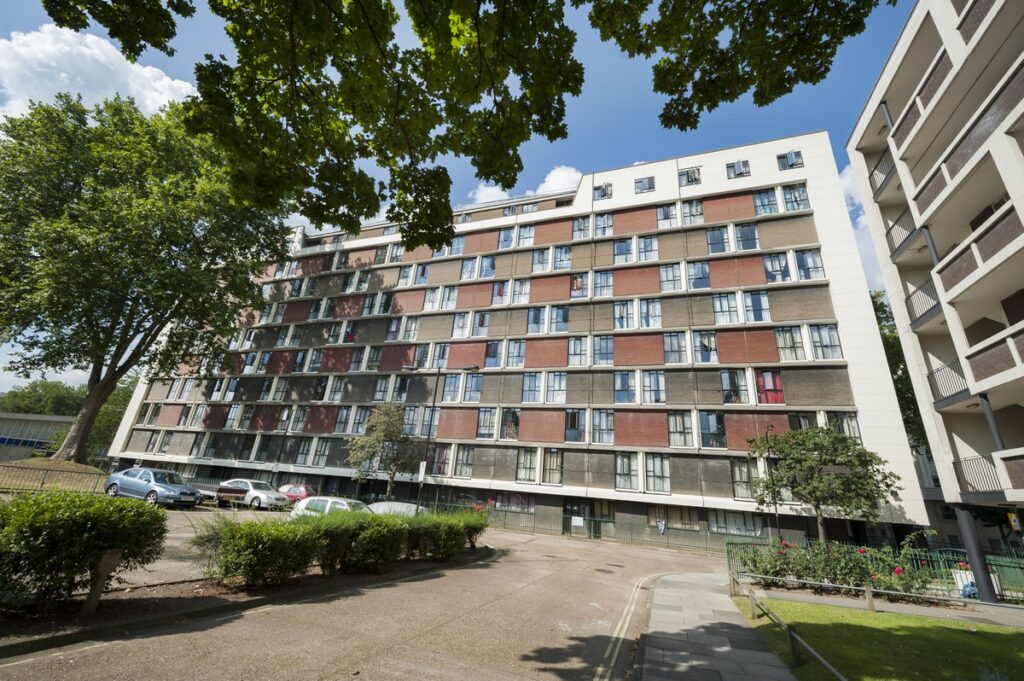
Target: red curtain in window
[769,387]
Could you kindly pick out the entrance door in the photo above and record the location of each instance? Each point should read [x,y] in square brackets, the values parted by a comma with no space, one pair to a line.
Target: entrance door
[576,516]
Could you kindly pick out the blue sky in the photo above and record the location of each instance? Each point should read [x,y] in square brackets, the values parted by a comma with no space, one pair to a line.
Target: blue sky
[612,123]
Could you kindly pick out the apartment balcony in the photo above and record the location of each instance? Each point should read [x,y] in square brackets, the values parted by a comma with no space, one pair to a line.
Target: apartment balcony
[999,238]
[923,305]
[900,231]
[882,174]
[972,16]
[1012,460]
[939,68]
[990,360]
[948,384]
[978,479]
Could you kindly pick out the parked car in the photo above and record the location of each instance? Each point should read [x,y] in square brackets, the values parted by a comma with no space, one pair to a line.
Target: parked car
[255,494]
[155,485]
[297,492]
[321,505]
[397,508]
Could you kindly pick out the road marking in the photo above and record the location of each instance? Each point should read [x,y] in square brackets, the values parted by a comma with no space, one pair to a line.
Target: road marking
[611,653]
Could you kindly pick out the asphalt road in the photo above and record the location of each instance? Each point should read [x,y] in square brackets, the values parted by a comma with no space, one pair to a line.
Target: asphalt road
[543,608]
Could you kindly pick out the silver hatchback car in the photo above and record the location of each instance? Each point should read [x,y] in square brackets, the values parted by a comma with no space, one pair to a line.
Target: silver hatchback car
[154,485]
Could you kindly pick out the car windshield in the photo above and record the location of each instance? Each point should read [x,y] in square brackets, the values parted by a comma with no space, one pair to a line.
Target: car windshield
[356,506]
[168,478]
[262,486]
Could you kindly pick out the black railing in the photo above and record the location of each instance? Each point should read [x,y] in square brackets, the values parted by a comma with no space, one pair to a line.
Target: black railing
[900,230]
[882,171]
[947,381]
[977,474]
[922,300]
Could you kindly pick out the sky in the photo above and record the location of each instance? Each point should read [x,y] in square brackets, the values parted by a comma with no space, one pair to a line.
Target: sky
[613,123]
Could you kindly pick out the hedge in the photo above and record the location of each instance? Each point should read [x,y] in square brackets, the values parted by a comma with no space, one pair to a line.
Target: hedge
[267,552]
[50,542]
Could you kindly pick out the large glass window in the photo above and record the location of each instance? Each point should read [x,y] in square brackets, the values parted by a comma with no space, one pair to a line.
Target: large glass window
[795,196]
[481,322]
[658,475]
[492,354]
[734,522]
[526,465]
[705,347]
[650,313]
[809,265]
[464,455]
[485,422]
[844,422]
[776,268]
[604,350]
[790,343]
[734,386]
[744,472]
[602,284]
[825,341]
[675,347]
[647,248]
[718,240]
[603,431]
[726,310]
[697,275]
[516,353]
[525,236]
[563,257]
[625,387]
[623,314]
[535,320]
[670,277]
[541,260]
[627,473]
[622,251]
[603,224]
[653,383]
[556,387]
[471,391]
[505,237]
[520,291]
[756,306]
[769,387]
[578,351]
[575,424]
[667,216]
[580,228]
[765,202]
[509,423]
[680,429]
[712,429]
[579,285]
[531,386]
[746,237]
[693,212]
[559,318]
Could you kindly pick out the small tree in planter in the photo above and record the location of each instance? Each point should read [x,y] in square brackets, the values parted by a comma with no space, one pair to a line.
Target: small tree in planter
[385,445]
[823,468]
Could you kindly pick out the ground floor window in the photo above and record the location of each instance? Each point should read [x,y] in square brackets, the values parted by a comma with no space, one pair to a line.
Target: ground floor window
[514,501]
[734,522]
[677,517]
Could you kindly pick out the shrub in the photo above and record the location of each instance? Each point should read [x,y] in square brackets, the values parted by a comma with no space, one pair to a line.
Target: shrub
[51,542]
[208,539]
[266,552]
[381,541]
[336,532]
[475,522]
[448,536]
[420,539]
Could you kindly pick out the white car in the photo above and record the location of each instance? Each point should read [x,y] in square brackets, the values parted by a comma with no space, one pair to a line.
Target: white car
[322,505]
[397,508]
[255,494]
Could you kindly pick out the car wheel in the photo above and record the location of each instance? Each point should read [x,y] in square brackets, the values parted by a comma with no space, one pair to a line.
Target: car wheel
[151,498]
[112,490]
[255,503]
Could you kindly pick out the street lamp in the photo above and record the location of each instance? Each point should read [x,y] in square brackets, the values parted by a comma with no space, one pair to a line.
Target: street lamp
[430,424]
[771,478]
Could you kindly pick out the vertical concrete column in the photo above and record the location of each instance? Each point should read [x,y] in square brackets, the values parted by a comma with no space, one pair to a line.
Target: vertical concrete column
[976,557]
[993,427]
[933,252]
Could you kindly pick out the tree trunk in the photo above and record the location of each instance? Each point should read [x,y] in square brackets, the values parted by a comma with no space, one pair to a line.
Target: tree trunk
[822,534]
[73,447]
[391,483]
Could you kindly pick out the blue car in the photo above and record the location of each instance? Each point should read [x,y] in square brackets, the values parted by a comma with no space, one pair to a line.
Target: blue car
[154,485]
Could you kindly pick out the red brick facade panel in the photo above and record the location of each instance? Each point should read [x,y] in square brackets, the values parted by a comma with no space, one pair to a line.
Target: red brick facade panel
[281,362]
[637,281]
[647,348]
[741,426]
[321,419]
[169,415]
[264,417]
[362,258]
[474,295]
[552,233]
[335,359]
[216,416]
[418,254]
[729,207]
[547,352]
[737,272]
[635,220]
[347,307]
[394,357]
[481,242]
[641,428]
[542,425]
[549,289]
[754,345]
[407,302]
[296,312]
[457,423]
[466,355]
[314,264]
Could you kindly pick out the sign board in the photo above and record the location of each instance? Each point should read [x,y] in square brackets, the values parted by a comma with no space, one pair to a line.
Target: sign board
[577,521]
[1014,521]
[423,471]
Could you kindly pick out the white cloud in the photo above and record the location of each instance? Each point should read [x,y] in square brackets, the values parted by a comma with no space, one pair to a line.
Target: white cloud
[559,178]
[9,380]
[488,192]
[868,259]
[37,65]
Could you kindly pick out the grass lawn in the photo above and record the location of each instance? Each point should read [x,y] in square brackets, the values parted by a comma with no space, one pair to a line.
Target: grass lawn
[41,473]
[866,646]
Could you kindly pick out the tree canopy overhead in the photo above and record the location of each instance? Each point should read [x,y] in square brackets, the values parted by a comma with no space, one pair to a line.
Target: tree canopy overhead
[322,88]
[44,397]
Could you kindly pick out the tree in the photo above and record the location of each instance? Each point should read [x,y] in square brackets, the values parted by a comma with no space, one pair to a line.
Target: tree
[321,90]
[823,468]
[905,396]
[120,246]
[107,421]
[44,397]
[385,445]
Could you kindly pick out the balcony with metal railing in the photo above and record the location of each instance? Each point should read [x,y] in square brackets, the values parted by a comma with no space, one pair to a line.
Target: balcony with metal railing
[922,301]
[901,229]
[977,474]
[948,383]
[882,172]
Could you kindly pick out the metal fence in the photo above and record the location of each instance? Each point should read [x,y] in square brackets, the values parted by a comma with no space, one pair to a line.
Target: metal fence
[35,479]
[947,381]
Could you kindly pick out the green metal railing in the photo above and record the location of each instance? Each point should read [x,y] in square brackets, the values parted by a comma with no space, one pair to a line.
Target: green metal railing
[32,479]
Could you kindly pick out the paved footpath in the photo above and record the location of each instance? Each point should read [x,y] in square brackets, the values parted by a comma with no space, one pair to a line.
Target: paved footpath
[696,633]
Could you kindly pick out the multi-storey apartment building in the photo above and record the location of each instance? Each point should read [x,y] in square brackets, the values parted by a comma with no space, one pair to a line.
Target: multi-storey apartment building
[938,152]
[603,352]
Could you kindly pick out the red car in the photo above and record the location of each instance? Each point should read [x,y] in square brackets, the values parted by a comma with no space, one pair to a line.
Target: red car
[297,492]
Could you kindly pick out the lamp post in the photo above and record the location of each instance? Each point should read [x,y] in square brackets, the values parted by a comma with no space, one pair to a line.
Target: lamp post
[430,424]
[771,477]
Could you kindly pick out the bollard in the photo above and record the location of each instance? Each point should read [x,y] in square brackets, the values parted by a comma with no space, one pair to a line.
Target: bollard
[108,561]
[870,598]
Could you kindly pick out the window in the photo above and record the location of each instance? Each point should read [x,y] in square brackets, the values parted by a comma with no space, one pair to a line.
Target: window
[499,292]
[334,333]
[776,267]
[299,418]
[509,423]
[487,263]
[746,237]
[604,350]
[541,260]
[734,522]
[675,347]
[359,422]
[373,358]
[481,321]
[653,383]
[230,422]
[505,237]
[578,351]
[579,285]
[667,216]
[642,185]
[526,465]
[485,422]
[809,265]
[580,228]
[798,420]
[265,389]
[844,422]
[718,240]
[440,359]
[296,288]
[559,318]
[670,278]
[471,391]
[563,257]
[825,341]
[508,210]
[769,387]
[525,236]
[397,253]
[603,191]
[791,159]
[529,207]
[300,361]
[693,212]
[658,477]
[394,326]
[284,418]
[755,304]
[520,291]
[650,313]
[410,419]
[795,196]
[448,297]
[535,318]
[464,455]
[556,387]
[356,362]
[450,392]
[676,517]
[627,474]
[712,429]
[431,299]
[765,202]
[744,472]
[697,275]
[531,387]
[603,430]
[680,429]
[647,248]
[603,224]
[726,309]
[492,355]
[468,269]
[790,344]
[734,386]
[552,474]
[412,328]
[622,251]
[380,389]
[737,169]
[625,387]
[438,458]
[368,304]
[458,246]
[431,416]
[623,314]
[603,283]
[689,176]
[280,389]
[515,355]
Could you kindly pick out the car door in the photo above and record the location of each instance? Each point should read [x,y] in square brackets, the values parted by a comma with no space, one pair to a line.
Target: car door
[144,483]
[129,482]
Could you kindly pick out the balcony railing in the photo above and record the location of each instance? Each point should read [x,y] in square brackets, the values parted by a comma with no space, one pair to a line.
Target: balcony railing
[883,169]
[977,474]
[922,300]
[947,381]
[900,230]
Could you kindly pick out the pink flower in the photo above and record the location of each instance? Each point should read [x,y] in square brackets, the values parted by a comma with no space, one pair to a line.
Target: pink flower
[897,571]
[874,578]
[785,543]
[782,553]
[862,550]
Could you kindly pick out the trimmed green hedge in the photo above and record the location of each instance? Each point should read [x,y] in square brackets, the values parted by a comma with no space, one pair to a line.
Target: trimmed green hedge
[51,542]
[266,552]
